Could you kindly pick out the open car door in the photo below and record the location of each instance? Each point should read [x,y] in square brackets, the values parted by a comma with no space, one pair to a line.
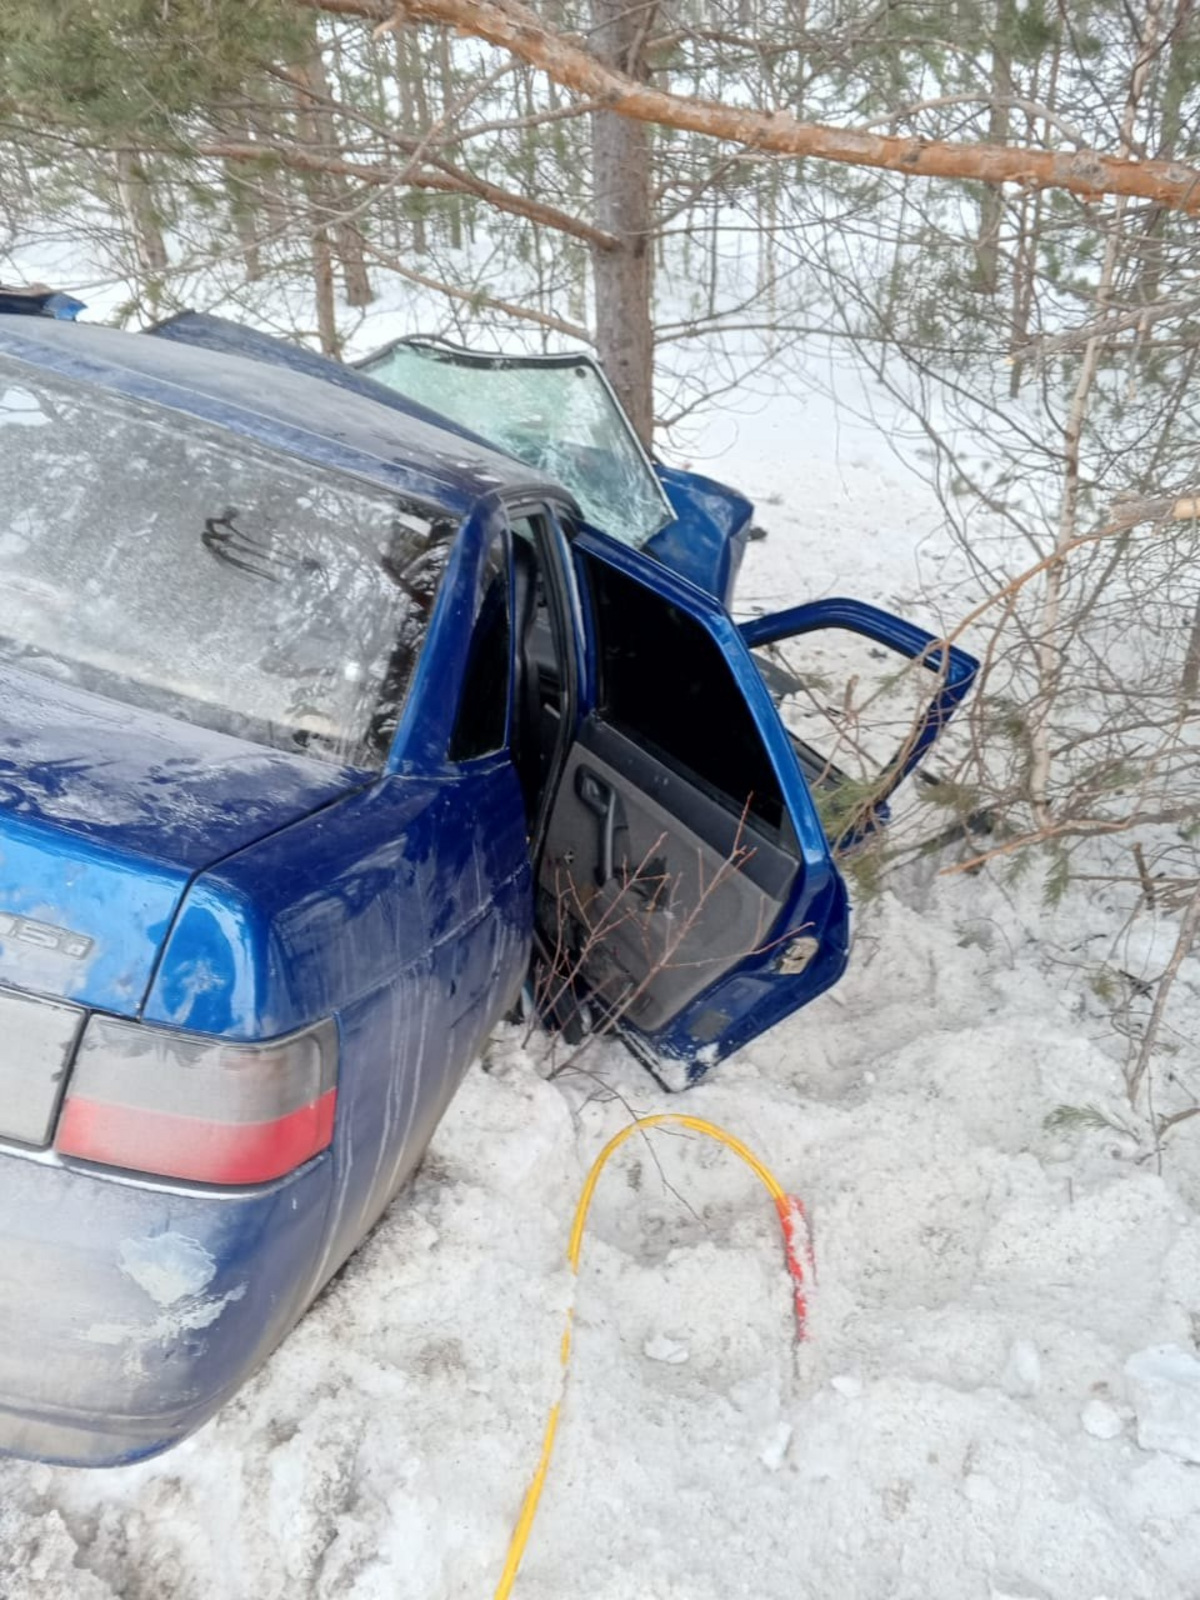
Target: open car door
[687,897]
[864,696]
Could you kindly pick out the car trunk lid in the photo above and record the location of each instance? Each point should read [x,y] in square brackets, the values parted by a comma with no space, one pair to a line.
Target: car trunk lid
[106,814]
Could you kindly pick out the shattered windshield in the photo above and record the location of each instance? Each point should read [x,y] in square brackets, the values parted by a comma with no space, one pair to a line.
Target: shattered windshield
[556,413]
[166,563]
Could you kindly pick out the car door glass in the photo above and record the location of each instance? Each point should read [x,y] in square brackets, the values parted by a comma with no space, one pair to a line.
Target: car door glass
[482,720]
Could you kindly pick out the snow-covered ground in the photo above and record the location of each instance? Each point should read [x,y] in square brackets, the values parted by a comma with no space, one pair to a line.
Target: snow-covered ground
[963,1423]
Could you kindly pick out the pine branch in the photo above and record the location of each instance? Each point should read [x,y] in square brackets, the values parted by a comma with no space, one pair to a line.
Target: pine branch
[513,27]
[450,181]
[477,298]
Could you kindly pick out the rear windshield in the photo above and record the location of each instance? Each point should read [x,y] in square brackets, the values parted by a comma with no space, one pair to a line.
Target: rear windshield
[164,562]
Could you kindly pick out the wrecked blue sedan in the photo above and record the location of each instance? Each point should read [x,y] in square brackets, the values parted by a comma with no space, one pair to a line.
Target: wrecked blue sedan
[324,729]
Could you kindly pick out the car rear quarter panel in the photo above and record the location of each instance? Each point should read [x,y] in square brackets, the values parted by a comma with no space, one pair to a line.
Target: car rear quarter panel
[405,911]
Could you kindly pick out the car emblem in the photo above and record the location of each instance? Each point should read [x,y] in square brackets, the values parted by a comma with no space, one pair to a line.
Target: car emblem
[44,935]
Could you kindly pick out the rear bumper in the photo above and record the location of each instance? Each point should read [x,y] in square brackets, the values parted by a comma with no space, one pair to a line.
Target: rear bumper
[130,1311]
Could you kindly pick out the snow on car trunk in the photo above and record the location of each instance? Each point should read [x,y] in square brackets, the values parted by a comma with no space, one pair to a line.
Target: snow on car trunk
[108,812]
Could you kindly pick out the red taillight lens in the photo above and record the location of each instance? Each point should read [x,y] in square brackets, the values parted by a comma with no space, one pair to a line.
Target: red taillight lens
[205,1109]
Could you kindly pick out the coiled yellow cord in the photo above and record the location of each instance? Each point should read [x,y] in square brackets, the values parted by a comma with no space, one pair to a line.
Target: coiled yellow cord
[797,1244]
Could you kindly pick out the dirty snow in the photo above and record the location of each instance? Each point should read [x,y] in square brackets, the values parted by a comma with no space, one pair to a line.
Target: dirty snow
[998,1398]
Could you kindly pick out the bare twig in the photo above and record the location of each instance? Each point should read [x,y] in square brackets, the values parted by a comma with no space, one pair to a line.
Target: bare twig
[1188,929]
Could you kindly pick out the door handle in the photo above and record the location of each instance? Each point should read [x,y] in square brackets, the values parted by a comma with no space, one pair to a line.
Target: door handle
[600,798]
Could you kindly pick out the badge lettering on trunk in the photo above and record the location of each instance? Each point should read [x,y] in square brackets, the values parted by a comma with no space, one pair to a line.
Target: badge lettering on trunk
[44,935]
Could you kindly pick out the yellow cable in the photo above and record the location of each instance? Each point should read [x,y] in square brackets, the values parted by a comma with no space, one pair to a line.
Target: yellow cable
[533,1494]
[783,1204]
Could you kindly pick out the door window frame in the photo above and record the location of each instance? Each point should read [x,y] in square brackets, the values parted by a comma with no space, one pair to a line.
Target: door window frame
[551,522]
[497,534]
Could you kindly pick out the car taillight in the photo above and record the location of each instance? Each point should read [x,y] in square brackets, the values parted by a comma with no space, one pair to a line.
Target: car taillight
[205,1109]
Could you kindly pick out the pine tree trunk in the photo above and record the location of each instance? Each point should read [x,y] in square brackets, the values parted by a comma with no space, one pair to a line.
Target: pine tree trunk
[316,189]
[138,206]
[344,232]
[242,212]
[419,118]
[409,124]
[452,204]
[274,187]
[991,207]
[623,277]
[322,260]
[242,196]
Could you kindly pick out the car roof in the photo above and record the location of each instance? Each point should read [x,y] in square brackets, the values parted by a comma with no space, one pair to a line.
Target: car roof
[208,332]
[406,449]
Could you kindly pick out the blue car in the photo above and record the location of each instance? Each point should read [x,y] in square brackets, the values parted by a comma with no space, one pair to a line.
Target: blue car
[326,728]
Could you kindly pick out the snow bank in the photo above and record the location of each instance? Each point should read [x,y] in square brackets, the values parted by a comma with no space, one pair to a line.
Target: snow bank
[980,1292]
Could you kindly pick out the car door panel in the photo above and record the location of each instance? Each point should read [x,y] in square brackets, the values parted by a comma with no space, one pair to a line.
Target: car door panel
[686,892]
[664,887]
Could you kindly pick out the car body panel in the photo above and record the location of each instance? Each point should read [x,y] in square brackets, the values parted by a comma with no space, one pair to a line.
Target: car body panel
[314,918]
[130,1313]
[402,926]
[707,539]
[106,814]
